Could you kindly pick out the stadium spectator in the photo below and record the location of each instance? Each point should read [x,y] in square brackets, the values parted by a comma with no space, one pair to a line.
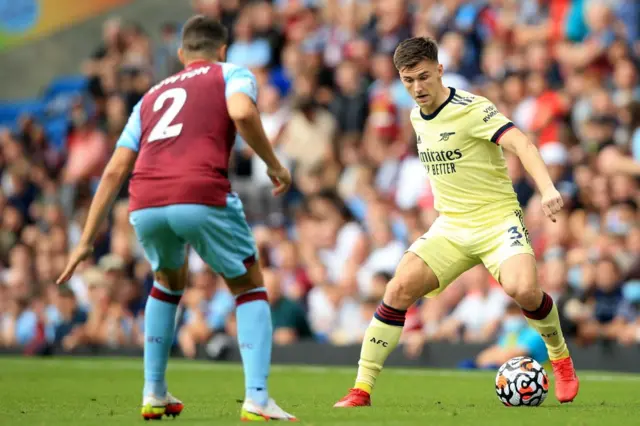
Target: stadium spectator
[384,255]
[64,316]
[294,281]
[288,316]
[477,316]
[246,50]
[208,305]
[166,62]
[625,323]
[19,323]
[605,300]
[87,156]
[629,314]
[350,104]
[515,338]
[99,315]
[307,140]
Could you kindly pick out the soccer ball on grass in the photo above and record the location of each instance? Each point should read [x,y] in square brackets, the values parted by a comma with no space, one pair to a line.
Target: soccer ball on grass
[522,381]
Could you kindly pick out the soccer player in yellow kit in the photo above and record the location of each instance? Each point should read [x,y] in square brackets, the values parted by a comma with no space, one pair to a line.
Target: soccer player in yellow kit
[460,140]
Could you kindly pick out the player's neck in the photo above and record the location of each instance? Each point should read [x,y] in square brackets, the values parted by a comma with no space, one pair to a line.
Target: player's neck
[195,61]
[441,98]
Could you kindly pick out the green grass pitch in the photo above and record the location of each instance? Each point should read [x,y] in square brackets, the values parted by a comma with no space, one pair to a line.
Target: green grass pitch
[97,391]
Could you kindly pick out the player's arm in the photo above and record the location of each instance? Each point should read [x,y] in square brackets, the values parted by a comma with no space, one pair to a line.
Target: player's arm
[518,143]
[115,174]
[241,93]
[245,114]
[118,169]
[490,125]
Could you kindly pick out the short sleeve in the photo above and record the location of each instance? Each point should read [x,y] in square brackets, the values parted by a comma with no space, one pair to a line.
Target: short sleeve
[486,122]
[130,137]
[239,80]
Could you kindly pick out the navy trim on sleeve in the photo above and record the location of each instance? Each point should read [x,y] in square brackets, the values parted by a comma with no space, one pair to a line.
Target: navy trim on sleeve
[501,131]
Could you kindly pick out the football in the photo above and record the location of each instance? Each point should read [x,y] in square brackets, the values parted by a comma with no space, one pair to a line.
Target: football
[522,381]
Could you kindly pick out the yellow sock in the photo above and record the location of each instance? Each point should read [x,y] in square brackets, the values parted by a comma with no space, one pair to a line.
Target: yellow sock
[379,341]
[549,328]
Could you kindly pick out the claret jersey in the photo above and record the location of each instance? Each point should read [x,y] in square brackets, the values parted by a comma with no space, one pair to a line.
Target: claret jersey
[183,134]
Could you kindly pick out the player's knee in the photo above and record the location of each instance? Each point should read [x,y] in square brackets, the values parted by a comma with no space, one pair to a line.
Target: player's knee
[251,280]
[518,278]
[172,279]
[412,281]
[399,293]
[526,293]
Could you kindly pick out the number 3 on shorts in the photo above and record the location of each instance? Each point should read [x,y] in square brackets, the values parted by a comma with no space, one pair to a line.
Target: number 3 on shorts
[514,233]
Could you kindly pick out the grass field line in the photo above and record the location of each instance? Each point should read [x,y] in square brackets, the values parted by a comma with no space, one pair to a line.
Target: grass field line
[188,365]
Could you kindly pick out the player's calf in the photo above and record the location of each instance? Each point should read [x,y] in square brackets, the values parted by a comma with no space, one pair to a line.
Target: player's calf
[413,280]
[518,277]
[159,331]
[255,336]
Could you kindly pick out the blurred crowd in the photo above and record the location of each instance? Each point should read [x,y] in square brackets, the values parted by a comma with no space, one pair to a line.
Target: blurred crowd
[565,71]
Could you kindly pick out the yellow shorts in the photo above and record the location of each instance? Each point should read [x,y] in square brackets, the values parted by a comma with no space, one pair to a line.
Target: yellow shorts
[452,246]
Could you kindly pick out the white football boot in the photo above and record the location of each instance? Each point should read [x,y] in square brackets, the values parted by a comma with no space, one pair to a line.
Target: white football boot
[252,412]
[153,407]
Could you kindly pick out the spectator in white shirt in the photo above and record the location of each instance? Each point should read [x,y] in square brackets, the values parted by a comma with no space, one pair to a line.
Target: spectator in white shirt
[384,257]
[477,316]
[341,241]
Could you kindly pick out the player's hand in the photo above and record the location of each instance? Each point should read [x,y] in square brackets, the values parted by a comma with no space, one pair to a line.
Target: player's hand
[551,202]
[281,179]
[79,254]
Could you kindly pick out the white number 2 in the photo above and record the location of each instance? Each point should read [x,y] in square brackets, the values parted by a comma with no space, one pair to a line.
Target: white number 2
[164,129]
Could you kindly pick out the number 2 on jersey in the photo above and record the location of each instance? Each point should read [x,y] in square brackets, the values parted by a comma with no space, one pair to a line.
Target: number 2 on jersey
[164,129]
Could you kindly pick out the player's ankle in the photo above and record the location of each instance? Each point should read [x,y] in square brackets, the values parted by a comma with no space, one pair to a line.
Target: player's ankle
[558,355]
[363,387]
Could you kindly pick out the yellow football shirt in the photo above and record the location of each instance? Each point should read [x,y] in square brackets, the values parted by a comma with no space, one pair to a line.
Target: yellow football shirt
[458,146]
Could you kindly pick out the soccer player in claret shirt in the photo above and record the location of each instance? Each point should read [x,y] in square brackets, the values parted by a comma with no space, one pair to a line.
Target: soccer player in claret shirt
[460,139]
[177,142]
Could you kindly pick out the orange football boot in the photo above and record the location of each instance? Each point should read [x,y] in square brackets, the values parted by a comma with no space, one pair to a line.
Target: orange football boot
[567,383]
[355,398]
